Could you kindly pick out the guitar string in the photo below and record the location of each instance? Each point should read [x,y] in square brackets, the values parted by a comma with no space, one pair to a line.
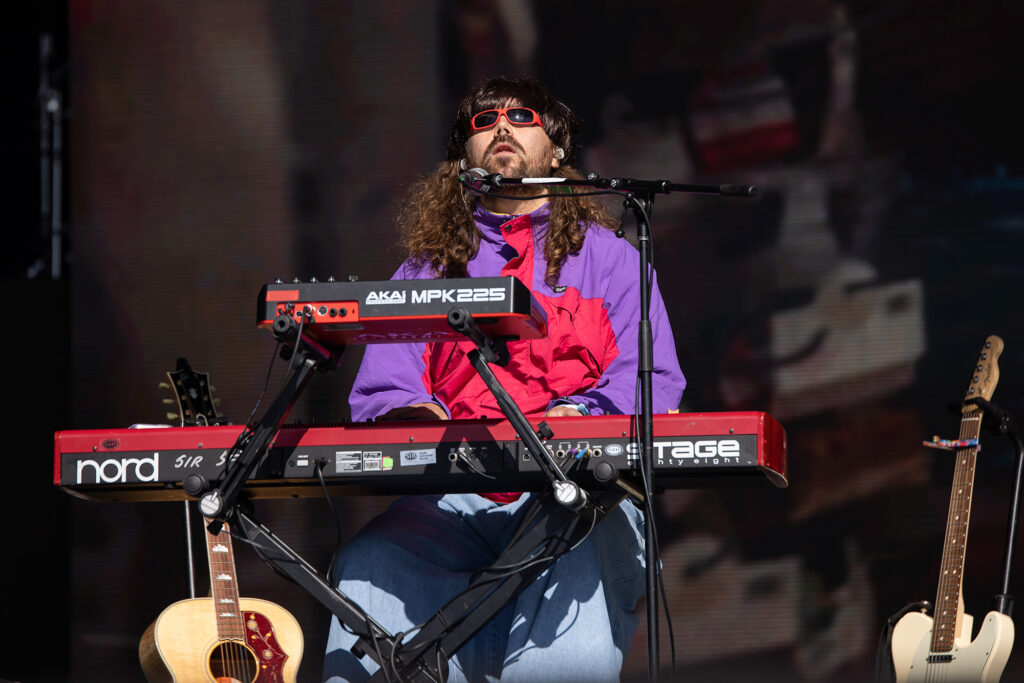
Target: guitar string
[242,660]
[227,659]
[963,476]
[236,660]
[939,670]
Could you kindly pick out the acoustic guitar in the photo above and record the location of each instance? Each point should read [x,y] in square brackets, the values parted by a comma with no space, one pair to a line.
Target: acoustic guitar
[940,648]
[223,638]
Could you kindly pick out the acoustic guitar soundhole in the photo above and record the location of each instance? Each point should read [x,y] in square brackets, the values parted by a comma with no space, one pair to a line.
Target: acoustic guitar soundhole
[232,661]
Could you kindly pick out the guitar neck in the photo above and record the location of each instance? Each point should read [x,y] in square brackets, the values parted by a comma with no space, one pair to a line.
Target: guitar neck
[948,600]
[948,610]
[224,584]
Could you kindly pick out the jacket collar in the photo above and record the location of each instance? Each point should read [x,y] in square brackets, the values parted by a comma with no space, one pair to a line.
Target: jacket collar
[490,224]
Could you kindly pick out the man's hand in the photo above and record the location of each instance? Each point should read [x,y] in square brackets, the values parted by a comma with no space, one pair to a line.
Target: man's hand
[563,411]
[417,411]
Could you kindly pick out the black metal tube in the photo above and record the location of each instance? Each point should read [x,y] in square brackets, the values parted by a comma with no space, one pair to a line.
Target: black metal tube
[1004,601]
[646,432]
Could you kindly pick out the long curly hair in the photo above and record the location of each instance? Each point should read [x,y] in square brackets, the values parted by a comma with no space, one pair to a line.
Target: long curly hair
[435,220]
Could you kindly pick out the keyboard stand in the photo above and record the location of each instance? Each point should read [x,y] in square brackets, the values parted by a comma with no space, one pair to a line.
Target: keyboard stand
[558,520]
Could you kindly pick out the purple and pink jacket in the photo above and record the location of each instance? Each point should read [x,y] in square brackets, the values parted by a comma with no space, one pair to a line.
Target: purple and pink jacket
[589,356]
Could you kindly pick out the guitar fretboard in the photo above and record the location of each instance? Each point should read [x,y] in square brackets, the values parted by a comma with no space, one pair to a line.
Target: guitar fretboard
[948,612]
[224,585]
[947,600]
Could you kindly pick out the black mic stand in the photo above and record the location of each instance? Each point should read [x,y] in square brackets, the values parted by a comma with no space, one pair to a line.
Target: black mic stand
[639,194]
[1000,423]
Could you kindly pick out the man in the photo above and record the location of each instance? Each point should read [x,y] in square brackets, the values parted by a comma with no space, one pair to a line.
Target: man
[575,621]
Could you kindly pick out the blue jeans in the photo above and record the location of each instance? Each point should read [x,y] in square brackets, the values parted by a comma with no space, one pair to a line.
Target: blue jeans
[573,623]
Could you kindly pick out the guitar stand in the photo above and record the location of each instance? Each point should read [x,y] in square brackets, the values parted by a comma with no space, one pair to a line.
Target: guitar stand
[1000,422]
[553,524]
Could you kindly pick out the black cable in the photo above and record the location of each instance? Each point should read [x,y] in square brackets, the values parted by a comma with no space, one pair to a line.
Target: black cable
[266,384]
[515,568]
[649,513]
[506,571]
[380,655]
[246,433]
[260,551]
[394,669]
[523,564]
[632,198]
[648,501]
[292,365]
[319,469]
[463,458]
[668,620]
[554,196]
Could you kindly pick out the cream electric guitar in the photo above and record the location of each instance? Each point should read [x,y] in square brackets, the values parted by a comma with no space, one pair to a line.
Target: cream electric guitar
[940,649]
[222,639]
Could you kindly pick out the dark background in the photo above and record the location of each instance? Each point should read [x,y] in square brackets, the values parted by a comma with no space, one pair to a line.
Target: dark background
[209,148]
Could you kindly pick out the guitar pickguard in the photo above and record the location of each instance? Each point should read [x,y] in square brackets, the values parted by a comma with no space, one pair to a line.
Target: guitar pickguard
[259,635]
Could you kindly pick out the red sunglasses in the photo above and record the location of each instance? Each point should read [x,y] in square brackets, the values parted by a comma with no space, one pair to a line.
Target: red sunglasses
[517,116]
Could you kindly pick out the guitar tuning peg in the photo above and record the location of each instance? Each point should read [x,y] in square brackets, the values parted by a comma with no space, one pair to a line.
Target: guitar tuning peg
[164,385]
[168,401]
[216,401]
[172,416]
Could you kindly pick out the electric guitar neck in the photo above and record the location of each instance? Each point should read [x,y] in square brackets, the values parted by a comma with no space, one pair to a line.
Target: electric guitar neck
[939,648]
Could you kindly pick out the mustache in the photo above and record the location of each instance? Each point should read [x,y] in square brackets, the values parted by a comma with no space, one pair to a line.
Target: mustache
[505,140]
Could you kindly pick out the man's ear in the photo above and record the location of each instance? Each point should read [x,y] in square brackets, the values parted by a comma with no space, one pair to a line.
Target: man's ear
[558,155]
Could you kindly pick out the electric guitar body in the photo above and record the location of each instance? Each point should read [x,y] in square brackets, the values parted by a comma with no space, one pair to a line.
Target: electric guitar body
[979,661]
[940,648]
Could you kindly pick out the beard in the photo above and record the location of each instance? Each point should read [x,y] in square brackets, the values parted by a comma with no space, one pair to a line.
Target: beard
[508,166]
[512,165]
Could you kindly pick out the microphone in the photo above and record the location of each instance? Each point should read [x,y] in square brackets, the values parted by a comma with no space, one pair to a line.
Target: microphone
[738,190]
[476,180]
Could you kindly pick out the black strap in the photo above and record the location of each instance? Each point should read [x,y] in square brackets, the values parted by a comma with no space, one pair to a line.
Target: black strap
[885,672]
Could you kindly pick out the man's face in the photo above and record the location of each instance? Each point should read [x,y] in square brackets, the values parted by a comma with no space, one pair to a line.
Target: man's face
[514,151]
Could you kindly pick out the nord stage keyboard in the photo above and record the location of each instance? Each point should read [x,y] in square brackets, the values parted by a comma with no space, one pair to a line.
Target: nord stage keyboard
[690,450]
[346,313]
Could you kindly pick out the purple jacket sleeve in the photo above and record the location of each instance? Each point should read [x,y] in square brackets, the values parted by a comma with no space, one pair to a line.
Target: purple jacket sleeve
[391,375]
[617,390]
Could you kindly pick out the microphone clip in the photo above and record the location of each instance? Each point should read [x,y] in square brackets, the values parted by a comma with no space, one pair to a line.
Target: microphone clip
[478,181]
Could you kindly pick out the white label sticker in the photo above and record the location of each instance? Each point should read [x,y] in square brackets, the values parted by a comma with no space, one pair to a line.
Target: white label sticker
[425,456]
[372,461]
[348,461]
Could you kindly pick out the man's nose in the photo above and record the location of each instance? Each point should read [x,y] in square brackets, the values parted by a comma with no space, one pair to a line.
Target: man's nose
[503,127]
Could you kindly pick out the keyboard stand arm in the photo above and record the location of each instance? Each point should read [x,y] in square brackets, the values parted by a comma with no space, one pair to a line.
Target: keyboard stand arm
[374,639]
[219,501]
[223,502]
[567,492]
